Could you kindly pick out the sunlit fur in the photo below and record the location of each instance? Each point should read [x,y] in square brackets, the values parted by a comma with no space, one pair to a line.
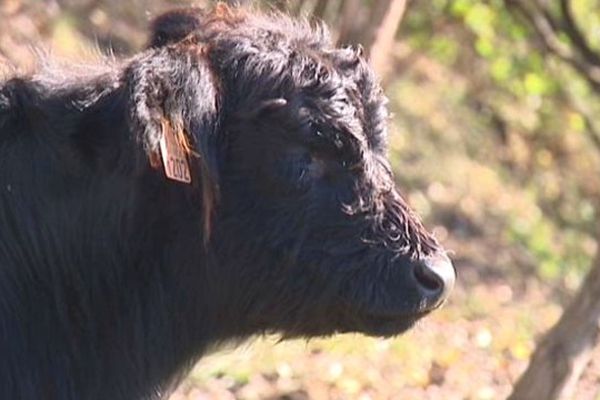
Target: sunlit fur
[114,280]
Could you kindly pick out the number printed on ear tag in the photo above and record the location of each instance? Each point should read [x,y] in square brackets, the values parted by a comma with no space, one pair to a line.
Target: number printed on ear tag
[174,157]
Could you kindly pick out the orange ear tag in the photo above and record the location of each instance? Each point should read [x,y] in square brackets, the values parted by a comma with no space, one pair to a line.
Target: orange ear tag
[174,157]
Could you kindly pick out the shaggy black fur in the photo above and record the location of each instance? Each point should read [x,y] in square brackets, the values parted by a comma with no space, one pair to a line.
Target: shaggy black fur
[114,280]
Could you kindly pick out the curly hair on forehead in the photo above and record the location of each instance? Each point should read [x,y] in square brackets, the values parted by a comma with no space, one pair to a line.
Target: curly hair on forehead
[304,54]
[236,38]
[203,25]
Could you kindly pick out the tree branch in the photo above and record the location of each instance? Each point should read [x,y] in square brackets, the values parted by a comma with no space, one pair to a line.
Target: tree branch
[545,28]
[571,29]
[384,35]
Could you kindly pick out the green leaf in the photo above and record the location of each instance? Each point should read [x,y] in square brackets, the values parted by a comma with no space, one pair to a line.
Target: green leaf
[461,7]
[501,69]
[535,84]
[480,18]
[484,47]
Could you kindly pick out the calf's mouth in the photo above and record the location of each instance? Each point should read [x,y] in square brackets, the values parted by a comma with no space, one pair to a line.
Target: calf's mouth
[409,293]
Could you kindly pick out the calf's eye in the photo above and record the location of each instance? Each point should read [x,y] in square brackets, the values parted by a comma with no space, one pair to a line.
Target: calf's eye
[293,168]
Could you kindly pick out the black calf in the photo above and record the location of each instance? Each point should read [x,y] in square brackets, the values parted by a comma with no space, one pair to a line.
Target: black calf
[229,180]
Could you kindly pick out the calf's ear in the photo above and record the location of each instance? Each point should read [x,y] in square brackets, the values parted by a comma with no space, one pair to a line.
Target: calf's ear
[175,25]
[185,23]
[174,108]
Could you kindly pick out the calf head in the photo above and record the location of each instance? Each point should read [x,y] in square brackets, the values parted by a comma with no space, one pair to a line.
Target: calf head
[304,228]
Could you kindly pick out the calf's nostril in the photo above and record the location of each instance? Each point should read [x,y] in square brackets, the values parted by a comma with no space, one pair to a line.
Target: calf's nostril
[427,278]
[436,277]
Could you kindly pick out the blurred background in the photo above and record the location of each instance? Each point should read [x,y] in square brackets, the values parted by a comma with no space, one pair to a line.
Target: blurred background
[495,141]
